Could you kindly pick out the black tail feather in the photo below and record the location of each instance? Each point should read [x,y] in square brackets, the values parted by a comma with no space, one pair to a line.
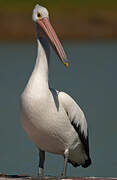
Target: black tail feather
[87,163]
[73,163]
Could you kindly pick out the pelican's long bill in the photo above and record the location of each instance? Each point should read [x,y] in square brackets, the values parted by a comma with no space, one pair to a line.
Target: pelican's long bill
[48,29]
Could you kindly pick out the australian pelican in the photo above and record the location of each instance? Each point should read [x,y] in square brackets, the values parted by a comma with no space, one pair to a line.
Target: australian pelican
[52,119]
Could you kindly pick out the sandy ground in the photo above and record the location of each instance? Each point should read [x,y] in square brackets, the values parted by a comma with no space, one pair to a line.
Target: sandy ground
[25,177]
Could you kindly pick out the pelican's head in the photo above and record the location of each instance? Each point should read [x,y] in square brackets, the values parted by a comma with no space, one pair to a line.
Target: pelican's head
[39,12]
[41,17]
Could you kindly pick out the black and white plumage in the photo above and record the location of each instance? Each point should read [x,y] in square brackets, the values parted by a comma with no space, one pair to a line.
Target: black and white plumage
[78,121]
[52,119]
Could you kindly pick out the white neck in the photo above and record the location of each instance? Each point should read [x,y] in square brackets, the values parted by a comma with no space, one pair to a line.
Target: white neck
[39,77]
[42,61]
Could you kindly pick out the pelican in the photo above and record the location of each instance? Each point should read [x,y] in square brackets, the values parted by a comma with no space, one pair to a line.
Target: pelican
[52,119]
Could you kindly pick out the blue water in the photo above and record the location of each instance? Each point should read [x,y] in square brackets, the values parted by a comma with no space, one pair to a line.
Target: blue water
[91,79]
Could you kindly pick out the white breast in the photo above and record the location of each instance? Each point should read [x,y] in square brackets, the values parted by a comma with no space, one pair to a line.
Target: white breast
[47,126]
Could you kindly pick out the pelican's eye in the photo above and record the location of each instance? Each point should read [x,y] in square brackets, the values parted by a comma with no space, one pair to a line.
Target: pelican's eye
[39,15]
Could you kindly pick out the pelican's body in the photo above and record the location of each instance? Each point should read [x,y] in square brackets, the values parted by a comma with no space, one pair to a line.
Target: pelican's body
[49,127]
[52,119]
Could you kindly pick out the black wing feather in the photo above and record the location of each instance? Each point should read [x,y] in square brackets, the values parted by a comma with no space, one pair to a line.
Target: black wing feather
[85,142]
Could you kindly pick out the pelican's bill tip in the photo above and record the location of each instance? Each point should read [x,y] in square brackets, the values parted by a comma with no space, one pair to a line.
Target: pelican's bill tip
[66,62]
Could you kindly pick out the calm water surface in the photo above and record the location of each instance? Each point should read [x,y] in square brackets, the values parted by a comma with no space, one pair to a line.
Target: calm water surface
[91,79]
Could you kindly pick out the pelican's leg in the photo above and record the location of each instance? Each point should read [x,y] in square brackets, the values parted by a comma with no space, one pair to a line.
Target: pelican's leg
[41,162]
[66,155]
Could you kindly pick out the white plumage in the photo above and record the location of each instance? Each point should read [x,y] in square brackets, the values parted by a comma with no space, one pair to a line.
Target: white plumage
[52,119]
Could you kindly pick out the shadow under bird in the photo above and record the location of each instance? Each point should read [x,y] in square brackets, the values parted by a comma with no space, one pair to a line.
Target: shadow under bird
[52,119]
